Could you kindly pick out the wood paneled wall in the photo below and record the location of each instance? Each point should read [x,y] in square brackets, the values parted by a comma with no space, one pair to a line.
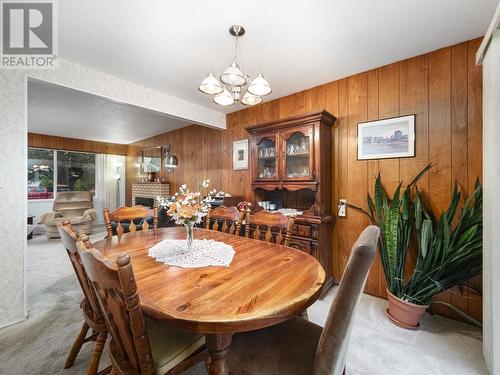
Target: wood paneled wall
[74,144]
[198,149]
[443,88]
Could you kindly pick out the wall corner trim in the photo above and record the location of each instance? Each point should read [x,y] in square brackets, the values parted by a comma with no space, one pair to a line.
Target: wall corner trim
[493,28]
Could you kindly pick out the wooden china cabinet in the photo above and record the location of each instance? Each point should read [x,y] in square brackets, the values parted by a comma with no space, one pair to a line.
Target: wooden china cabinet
[291,167]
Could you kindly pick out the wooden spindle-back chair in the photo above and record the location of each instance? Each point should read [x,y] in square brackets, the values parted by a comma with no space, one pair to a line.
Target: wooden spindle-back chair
[269,226]
[224,219]
[131,214]
[92,316]
[138,346]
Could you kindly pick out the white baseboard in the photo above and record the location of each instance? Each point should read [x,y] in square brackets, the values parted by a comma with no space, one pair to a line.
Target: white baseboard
[12,322]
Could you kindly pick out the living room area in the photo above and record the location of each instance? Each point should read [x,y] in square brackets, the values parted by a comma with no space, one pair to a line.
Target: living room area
[77,151]
[78,145]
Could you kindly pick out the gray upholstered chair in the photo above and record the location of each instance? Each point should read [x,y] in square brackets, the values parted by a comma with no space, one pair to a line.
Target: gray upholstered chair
[75,206]
[299,347]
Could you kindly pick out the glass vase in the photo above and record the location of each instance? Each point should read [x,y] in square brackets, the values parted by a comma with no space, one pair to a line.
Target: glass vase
[189,235]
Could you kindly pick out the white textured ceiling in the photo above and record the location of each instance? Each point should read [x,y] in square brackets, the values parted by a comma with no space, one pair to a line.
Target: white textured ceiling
[65,112]
[170,45]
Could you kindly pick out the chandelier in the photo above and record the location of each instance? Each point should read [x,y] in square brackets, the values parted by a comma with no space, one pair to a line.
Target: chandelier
[235,86]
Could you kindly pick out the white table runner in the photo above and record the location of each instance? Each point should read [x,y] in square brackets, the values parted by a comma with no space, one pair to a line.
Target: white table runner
[203,253]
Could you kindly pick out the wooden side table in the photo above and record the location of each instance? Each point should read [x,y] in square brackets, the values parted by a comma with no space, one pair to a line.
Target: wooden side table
[30,222]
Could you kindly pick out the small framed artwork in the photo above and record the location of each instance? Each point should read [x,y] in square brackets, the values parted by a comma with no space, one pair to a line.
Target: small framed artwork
[388,138]
[240,154]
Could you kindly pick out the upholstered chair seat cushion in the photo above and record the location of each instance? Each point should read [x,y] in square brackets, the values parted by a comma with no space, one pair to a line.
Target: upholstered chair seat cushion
[287,348]
[170,346]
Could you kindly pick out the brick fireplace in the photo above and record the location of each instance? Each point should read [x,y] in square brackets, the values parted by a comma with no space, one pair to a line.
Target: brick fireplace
[145,193]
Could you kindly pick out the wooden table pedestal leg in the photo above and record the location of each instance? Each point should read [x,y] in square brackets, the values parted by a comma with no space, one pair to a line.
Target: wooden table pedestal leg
[218,346]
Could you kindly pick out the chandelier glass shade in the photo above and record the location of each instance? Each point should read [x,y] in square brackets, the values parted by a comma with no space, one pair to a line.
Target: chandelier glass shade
[259,86]
[232,84]
[210,85]
[233,76]
[224,98]
[250,99]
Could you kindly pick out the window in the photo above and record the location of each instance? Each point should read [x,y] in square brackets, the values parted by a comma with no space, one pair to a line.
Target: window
[40,174]
[68,171]
[75,171]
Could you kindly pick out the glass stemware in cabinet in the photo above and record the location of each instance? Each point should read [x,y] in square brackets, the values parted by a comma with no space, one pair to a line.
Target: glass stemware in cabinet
[298,147]
[297,156]
[266,159]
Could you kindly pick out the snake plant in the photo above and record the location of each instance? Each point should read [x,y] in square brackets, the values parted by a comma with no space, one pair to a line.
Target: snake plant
[449,251]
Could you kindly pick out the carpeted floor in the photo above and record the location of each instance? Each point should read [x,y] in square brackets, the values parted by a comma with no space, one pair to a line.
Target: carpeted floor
[40,344]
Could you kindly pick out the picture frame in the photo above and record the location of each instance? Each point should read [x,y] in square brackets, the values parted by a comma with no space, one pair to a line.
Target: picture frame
[387,138]
[240,155]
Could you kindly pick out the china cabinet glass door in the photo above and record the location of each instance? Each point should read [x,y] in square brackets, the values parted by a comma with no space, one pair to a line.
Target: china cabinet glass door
[298,161]
[267,156]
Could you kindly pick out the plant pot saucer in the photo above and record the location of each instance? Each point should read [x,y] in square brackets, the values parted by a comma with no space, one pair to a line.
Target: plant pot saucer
[399,324]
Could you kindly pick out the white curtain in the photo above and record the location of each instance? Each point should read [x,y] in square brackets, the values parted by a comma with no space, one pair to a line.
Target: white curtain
[108,168]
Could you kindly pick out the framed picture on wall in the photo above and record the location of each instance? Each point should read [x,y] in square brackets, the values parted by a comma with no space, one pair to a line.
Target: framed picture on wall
[240,155]
[388,138]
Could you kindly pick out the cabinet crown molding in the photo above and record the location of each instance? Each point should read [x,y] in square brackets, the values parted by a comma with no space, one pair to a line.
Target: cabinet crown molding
[325,117]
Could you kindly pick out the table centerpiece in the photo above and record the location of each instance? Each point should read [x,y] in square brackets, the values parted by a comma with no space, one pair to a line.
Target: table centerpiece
[188,208]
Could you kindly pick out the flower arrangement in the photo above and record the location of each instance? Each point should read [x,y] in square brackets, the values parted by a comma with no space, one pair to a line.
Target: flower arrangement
[187,207]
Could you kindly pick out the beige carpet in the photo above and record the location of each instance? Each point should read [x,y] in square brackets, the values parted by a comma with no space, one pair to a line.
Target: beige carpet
[40,344]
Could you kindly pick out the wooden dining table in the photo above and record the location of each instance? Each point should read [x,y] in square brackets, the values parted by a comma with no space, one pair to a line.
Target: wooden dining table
[265,284]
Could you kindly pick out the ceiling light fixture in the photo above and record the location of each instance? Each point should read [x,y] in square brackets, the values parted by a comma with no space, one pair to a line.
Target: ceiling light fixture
[232,82]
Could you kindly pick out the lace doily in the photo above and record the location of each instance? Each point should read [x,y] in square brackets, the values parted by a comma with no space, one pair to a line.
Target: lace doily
[203,253]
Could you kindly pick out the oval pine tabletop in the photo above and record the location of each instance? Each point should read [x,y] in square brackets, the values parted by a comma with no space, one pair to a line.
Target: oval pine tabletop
[264,285]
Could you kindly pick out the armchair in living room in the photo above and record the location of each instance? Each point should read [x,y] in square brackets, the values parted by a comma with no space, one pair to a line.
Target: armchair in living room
[75,206]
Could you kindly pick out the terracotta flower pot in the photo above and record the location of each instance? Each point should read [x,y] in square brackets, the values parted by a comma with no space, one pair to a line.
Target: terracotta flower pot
[404,314]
